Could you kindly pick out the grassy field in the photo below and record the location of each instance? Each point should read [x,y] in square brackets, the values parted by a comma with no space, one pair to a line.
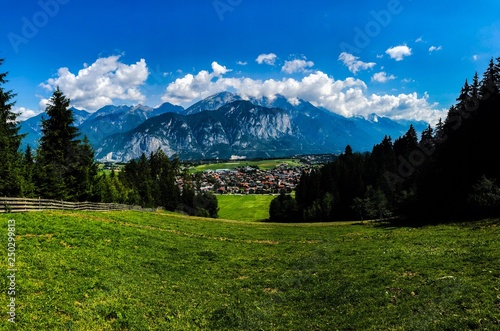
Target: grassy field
[100,167]
[160,271]
[244,207]
[264,164]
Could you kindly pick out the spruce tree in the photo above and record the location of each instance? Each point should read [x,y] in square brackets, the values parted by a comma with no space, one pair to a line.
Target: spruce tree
[496,73]
[474,89]
[427,143]
[64,168]
[439,133]
[163,173]
[463,100]
[28,166]
[382,160]
[406,144]
[489,84]
[10,140]
[427,135]
[84,172]
[145,182]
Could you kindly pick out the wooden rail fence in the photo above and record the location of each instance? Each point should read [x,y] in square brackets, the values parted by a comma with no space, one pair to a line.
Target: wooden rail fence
[21,205]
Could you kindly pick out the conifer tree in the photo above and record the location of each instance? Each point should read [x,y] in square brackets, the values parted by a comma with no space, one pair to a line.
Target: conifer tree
[163,173]
[474,89]
[65,167]
[439,131]
[496,74]
[10,140]
[463,100]
[427,143]
[469,98]
[84,172]
[28,166]
[145,181]
[406,144]
[489,84]
[427,134]
[382,160]
[453,120]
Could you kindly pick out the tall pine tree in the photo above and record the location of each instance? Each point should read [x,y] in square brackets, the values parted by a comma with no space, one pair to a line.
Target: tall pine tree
[65,167]
[474,89]
[489,84]
[10,140]
[28,166]
[496,73]
[84,171]
[406,144]
[163,172]
[56,149]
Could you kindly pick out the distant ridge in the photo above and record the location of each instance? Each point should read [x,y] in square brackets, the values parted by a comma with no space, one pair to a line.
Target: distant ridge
[225,125]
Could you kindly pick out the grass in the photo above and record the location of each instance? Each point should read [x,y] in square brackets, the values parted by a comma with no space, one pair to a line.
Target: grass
[107,172]
[244,207]
[264,164]
[161,271]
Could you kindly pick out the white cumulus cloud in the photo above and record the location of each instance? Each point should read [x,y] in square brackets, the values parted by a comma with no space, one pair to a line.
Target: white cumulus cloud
[354,64]
[97,85]
[184,90]
[24,113]
[296,66]
[269,59]
[399,52]
[348,97]
[382,77]
[435,48]
[219,70]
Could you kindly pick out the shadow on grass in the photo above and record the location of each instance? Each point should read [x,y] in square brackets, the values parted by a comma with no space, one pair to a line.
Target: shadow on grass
[473,221]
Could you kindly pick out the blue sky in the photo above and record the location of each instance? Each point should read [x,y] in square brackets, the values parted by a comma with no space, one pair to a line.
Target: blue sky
[398,58]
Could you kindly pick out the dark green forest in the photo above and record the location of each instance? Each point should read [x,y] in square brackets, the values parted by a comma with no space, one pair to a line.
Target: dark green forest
[447,172]
[64,168]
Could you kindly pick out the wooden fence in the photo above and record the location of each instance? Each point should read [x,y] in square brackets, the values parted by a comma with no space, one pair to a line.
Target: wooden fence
[21,205]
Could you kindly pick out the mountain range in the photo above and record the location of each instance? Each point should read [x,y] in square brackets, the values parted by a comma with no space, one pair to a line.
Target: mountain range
[223,126]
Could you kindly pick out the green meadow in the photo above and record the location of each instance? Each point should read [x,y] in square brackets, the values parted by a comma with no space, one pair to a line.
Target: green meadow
[253,207]
[163,271]
[263,164]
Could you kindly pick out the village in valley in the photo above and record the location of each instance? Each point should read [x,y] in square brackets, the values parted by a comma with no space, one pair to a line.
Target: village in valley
[249,180]
[256,177]
[246,176]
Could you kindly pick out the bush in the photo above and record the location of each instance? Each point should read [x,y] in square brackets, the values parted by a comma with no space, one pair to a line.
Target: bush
[485,196]
[283,209]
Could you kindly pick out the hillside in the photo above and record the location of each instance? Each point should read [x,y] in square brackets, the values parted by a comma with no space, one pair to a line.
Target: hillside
[157,271]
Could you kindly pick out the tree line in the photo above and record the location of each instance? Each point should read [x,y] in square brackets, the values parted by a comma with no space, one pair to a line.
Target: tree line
[449,172]
[63,166]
